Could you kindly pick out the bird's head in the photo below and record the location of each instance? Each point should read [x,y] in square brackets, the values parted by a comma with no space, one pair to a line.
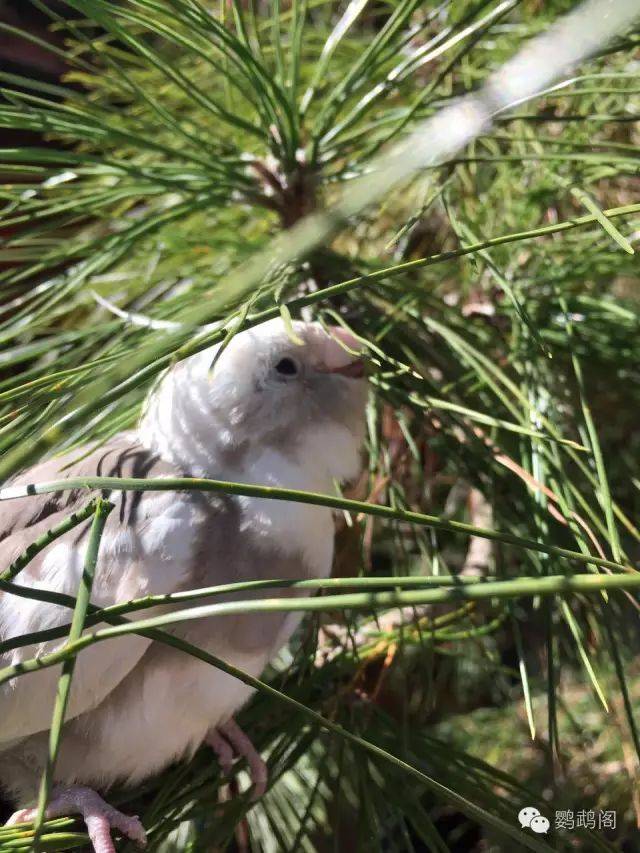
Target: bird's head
[301,395]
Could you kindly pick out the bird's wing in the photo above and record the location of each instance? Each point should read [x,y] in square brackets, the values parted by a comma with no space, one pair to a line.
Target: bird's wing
[145,549]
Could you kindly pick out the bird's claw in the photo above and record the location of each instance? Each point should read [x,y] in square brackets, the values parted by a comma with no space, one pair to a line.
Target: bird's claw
[228,740]
[100,818]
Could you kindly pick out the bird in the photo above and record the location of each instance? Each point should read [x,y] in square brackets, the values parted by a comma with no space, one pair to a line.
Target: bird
[282,404]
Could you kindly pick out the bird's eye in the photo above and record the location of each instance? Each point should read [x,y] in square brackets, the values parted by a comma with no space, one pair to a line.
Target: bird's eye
[287,367]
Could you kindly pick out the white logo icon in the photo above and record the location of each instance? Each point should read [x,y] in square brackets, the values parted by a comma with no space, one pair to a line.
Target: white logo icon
[539,824]
[526,815]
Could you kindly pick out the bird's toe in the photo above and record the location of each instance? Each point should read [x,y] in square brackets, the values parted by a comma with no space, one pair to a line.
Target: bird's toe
[21,816]
[99,830]
[259,777]
[131,826]
[243,747]
[99,817]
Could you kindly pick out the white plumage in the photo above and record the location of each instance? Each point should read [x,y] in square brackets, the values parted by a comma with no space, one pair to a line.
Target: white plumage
[270,412]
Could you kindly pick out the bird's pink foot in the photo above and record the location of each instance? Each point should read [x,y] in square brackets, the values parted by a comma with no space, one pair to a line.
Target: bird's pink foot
[228,740]
[99,817]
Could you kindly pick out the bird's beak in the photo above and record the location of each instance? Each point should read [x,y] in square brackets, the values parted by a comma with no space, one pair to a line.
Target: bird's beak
[352,370]
[342,353]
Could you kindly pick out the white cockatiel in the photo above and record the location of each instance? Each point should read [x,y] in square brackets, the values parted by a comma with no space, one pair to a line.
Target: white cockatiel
[272,412]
